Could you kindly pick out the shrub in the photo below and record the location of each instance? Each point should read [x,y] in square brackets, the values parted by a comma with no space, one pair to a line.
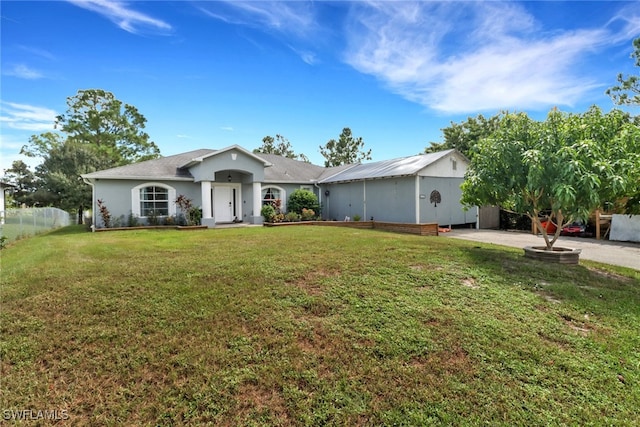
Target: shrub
[302,199]
[152,218]
[192,214]
[308,214]
[195,216]
[292,217]
[357,217]
[268,212]
[104,214]
[132,220]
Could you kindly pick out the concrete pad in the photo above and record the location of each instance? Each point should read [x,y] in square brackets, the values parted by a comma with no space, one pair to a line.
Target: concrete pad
[625,254]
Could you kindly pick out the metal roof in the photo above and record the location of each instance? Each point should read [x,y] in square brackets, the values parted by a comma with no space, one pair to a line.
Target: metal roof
[405,166]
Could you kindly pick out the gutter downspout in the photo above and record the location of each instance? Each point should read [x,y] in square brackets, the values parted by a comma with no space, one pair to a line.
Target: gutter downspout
[93,203]
[315,184]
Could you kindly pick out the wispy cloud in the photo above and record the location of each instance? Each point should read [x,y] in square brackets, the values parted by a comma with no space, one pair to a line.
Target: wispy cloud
[499,58]
[23,71]
[227,128]
[41,53]
[295,17]
[26,117]
[123,16]
[296,20]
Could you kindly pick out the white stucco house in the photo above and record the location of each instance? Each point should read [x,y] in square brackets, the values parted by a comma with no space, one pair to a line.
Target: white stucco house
[233,183]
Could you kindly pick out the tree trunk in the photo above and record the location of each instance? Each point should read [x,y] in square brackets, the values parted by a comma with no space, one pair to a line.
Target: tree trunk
[80,215]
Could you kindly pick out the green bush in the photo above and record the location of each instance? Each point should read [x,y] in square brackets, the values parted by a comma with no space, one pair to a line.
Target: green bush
[292,217]
[302,199]
[308,214]
[268,212]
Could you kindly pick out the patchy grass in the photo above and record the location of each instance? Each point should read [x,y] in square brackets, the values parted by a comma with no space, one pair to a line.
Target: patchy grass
[312,326]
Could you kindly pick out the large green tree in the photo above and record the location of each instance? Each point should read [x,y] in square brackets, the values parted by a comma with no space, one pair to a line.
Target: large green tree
[24,182]
[280,146]
[627,91]
[561,169]
[95,117]
[345,150]
[97,132]
[463,136]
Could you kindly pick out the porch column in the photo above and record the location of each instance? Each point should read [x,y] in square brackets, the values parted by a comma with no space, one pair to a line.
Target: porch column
[207,218]
[257,203]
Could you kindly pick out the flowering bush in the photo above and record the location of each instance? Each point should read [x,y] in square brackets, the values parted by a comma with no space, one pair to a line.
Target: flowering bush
[308,214]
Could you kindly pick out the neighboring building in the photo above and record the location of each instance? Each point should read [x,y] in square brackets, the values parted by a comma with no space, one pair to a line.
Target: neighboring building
[233,183]
[3,187]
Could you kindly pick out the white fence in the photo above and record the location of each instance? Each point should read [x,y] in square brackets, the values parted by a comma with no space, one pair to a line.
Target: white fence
[21,223]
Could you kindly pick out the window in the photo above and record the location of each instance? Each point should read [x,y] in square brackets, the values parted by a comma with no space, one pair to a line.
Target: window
[154,200]
[153,196]
[270,195]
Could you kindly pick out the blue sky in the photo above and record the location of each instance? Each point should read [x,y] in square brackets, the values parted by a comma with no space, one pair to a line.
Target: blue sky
[211,74]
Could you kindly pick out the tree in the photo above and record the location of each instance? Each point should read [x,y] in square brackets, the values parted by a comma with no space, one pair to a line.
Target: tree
[562,168]
[97,118]
[463,136]
[627,92]
[24,181]
[345,150]
[282,148]
[97,132]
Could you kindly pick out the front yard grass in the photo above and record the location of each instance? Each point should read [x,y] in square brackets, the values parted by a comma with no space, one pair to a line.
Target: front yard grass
[312,326]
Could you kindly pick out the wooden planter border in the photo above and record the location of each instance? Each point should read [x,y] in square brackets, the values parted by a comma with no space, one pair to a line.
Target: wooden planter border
[155,227]
[428,229]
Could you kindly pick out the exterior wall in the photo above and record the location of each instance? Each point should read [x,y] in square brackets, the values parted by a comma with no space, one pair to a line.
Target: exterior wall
[391,200]
[344,200]
[232,160]
[445,167]
[116,196]
[449,211]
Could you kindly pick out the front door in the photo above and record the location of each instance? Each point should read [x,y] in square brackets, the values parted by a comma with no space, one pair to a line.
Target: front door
[225,202]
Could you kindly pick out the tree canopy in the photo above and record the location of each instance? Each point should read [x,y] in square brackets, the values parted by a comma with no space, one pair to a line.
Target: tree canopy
[24,181]
[97,132]
[562,168]
[463,136]
[280,146]
[345,150]
[627,92]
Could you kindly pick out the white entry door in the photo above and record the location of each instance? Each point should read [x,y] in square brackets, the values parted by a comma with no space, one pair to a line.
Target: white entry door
[225,202]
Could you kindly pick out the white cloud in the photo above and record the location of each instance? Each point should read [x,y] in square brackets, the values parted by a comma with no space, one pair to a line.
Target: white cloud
[120,14]
[26,117]
[227,128]
[485,56]
[23,72]
[295,17]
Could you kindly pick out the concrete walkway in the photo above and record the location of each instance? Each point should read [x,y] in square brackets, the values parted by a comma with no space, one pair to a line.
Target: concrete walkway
[625,254]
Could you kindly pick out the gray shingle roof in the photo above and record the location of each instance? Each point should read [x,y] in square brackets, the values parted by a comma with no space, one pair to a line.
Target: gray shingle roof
[169,167]
[284,169]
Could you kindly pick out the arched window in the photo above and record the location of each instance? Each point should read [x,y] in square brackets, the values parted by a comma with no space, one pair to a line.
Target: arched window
[153,199]
[271,194]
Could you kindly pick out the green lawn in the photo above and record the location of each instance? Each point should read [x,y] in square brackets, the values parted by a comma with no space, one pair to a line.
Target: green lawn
[312,326]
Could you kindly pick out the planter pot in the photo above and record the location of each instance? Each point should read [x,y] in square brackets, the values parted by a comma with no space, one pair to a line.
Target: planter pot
[556,255]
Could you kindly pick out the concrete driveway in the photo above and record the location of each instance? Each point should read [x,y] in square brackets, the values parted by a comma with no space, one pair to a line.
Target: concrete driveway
[625,254]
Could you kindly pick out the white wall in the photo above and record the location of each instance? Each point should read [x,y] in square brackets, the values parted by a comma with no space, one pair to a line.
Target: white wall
[625,228]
